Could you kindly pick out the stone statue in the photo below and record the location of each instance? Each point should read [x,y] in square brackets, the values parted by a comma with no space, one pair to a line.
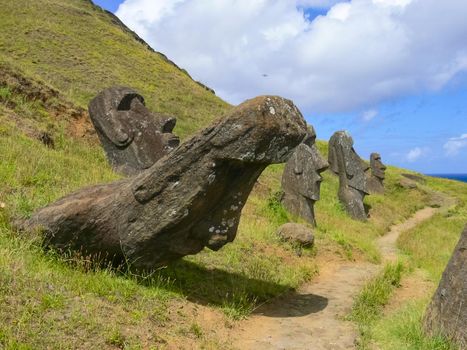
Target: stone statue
[376,178]
[344,162]
[447,312]
[133,138]
[301,179]
[188,200]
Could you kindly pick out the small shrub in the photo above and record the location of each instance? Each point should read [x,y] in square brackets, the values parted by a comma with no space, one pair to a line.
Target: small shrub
[196,330]
[5,93]
[116,338]
[275,209]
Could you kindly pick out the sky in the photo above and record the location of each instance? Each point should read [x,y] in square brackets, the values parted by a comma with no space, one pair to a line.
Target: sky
[391,72]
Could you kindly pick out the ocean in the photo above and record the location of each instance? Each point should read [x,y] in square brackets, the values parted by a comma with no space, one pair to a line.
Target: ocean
[458,177]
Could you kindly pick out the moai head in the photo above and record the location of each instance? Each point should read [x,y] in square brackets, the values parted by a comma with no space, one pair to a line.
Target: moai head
[377,167]
[133,137]
[345,162]
[301,179]
[343,159]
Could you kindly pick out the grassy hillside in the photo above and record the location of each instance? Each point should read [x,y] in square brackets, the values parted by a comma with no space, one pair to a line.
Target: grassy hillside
[392,319]
[79,49]
[54,56]
[54,301]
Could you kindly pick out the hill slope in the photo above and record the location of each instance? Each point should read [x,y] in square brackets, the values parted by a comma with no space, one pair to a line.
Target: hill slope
[79,49]
[55,56]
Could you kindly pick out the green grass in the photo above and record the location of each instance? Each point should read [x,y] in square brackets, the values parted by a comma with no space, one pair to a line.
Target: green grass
[394,206]
[403,330]
[426,248]
[370,303]
[430,244]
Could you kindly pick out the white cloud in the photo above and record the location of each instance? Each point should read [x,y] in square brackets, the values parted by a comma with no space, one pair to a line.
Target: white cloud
[400,3]
[369,115]
[317,3]
[414,154]
[340,11]
[361,53]
[455,144]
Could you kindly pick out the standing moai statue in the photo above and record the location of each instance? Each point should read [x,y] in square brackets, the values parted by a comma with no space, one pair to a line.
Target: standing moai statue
[301,179]
[376,178]
[133,138]
[344,162]
[447,312]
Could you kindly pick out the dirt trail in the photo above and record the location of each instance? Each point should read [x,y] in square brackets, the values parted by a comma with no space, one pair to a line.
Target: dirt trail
[387,243]
[312,318]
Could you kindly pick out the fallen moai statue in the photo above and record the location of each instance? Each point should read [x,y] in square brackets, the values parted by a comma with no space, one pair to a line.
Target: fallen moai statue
[188,200]
[376,178]
[447,312]
[133,137]
[301,179]
[344,162]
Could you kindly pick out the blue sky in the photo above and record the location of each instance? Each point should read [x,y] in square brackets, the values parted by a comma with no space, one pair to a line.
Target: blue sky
[402,96]
[111,5]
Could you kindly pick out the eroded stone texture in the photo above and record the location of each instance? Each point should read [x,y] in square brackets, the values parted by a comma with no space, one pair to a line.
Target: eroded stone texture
[296,233]
[301,179]
[376,178]
[407,183]
[447,312]
[133,138]
[415,177]
[344,162]
[188,200]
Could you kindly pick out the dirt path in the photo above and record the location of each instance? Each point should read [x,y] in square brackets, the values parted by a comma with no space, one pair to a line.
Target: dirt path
[312,318]
[387,243]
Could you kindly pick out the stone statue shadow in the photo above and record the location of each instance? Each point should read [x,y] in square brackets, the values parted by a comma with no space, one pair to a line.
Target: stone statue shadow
[293,305]
[217,287]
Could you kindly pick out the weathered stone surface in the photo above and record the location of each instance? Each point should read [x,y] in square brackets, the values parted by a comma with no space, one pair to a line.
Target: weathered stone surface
[447,312]
[344,161]
[133,138]
[301,179]
[188,200]
[414,177]
[376,178]
[407,183]
[296,233]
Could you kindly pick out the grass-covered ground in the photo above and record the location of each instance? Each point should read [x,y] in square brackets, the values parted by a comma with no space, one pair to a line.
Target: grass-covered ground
[425,251]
